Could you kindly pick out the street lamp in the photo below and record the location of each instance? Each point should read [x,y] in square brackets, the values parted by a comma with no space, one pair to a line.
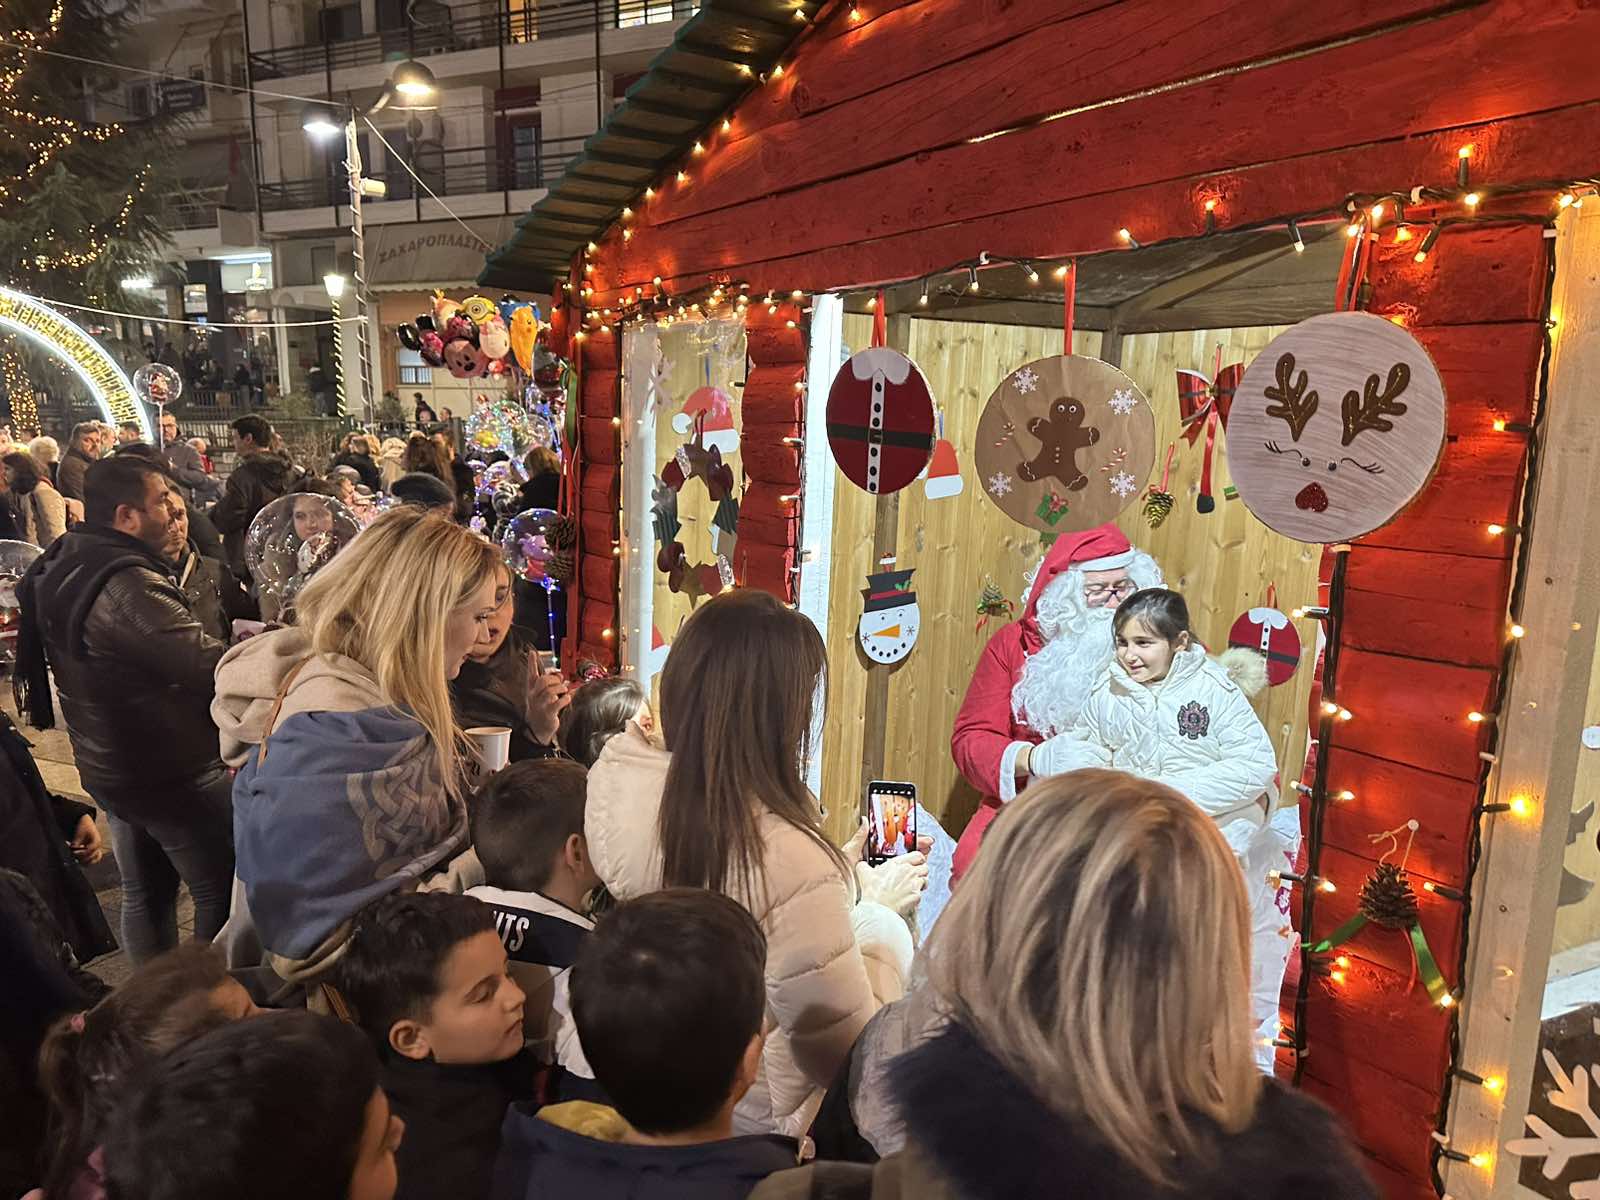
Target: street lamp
[410,85]
[334,285]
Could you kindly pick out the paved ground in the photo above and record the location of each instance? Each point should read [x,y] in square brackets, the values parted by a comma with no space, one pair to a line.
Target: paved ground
[52,750]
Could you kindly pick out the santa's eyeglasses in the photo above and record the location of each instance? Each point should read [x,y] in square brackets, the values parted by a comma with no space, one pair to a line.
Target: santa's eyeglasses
[1099,593]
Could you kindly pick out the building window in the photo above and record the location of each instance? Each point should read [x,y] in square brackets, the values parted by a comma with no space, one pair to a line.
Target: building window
[649,12]
[413,371]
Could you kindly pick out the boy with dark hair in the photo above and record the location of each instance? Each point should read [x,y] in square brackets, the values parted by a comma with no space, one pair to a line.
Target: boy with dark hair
[527,827]
[259,476]
[425,975]
[670,994]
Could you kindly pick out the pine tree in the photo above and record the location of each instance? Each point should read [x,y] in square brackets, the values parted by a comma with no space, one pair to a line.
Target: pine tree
[81,207]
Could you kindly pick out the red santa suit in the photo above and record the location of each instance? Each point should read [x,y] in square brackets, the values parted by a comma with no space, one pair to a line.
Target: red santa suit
[992,727]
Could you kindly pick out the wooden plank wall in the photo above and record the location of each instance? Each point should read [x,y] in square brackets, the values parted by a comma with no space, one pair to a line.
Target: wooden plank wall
[1424,632]
[1223,562]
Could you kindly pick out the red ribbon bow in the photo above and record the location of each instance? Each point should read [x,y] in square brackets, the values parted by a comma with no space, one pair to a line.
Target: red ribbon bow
[1207,403]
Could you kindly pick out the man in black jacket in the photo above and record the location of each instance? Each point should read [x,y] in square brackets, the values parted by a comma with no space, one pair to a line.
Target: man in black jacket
[259,477]
[82,450]
[183,461]
[357,453]
[133,668]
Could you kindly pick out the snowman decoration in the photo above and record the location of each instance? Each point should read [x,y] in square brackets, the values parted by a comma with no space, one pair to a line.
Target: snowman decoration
[890,621]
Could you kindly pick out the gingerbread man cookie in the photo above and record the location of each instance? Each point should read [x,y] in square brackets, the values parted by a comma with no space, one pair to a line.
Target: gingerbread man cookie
[1061,435]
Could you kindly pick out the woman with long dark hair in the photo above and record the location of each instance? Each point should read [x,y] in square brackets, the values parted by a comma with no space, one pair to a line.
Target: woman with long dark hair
[725,806]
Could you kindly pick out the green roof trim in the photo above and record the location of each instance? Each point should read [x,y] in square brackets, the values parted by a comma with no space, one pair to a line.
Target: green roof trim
[687,89]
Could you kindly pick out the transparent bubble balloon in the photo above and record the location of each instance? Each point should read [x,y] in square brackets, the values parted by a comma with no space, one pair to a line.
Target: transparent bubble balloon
[15,559]
[498,476]
[501,424]
[301,522]
[540,432]
[525,545]
[158,384]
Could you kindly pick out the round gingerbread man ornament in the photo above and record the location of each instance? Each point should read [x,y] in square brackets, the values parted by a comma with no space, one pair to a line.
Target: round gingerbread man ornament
[1065,443]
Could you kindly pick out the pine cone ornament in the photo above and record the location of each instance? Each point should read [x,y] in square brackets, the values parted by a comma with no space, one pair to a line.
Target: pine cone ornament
[1387,899]
[1157,504]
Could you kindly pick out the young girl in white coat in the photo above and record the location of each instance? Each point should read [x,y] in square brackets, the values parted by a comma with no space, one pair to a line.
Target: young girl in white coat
[1168,711]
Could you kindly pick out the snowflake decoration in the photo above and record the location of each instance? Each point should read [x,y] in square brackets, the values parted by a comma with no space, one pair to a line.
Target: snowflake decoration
[1000,484]
[1124,484]
[1123,401]
[725,571]
[1570,1094]
[1025,381]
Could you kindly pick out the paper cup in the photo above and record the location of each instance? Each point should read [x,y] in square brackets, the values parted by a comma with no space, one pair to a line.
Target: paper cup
[492,745]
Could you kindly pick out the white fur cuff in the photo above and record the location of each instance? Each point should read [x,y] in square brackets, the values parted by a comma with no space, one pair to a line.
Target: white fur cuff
[1006,788]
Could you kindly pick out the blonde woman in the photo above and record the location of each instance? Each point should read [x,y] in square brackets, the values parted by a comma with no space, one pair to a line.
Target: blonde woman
[391,461]
[349,758]
[1095,966]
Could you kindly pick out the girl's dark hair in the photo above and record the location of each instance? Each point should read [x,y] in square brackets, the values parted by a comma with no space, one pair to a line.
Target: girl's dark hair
[737,698]
[600,710]
[262,1109]
[24,472]
[1160,610]
[425,455]
[86,1071]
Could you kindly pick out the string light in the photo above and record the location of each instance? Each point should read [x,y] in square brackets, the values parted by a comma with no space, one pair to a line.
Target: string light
[1128,237]
[1402,234]
[1427,244]
[972,273]
[1463,157]
[1472,199]
[1439,889]
[1061,271]
[923,299]
[1479,718]
[1294,236]
[1517,631]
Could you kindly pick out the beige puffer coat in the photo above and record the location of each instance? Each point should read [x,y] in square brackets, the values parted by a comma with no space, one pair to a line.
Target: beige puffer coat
[832,960]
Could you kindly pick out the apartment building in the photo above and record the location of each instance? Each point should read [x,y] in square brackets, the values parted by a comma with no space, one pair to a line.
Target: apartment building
[263,207]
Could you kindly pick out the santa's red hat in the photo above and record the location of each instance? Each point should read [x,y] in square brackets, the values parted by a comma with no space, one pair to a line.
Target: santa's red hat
[1104,548]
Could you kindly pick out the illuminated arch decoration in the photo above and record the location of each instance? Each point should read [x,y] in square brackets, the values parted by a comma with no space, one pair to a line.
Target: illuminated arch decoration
[99,372]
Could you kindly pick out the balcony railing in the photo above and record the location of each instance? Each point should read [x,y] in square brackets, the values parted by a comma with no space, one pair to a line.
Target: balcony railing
[197,208]
[442,28]
[449,172]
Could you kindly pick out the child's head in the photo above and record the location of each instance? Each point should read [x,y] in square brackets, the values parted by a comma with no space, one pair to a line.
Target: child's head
[668,994]
[527,827]
[285,1105]
[1151,627]
[89,1058]
[426,975]
[600,710]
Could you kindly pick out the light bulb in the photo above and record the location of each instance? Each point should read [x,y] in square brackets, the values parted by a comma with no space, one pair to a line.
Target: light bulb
[1377,212]
[1125,235]
[1520,806]
[699,148]
[1447,1000]
[1517,631]
[1496,530]
[1499,426]
[1402,234]
[1480,1160]
[1211,204]
[1493,1083]
[1061,271]
[1464,152]
[1352,229]
[1471,199]
[1343,961]
[1477,718]
[1337,976]
[1326,885]
[1566,200]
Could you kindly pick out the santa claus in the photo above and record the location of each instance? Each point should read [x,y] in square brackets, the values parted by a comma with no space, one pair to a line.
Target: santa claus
[1035,674]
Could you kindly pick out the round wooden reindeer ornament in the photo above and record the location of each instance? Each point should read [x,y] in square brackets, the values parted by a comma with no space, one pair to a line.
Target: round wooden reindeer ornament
[1065,443]
[880,420]
[1336,426]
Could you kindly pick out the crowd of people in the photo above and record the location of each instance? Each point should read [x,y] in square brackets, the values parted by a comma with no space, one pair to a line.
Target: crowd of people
[629,962]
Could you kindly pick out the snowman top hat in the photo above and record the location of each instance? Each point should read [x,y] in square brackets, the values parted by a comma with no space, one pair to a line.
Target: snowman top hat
[889,589]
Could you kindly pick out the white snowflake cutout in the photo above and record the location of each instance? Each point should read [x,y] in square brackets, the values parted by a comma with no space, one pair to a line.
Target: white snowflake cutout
[1123,401]
[1025,381]
[1570,1094]
[999,484]
[725,571]
[1123,484]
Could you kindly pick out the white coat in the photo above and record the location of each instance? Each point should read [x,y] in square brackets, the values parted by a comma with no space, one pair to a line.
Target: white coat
[1193,731]
[832,960]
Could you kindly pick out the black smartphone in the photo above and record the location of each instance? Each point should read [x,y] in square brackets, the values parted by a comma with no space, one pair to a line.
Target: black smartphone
[891,812]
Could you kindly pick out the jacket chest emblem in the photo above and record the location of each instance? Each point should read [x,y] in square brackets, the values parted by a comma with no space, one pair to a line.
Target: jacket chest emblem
[1194,720]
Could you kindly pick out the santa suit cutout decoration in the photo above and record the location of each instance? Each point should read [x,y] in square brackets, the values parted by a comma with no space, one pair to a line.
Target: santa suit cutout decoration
[880,420]
[1268,632]
[889,624]
[1335,428]
[1065,443]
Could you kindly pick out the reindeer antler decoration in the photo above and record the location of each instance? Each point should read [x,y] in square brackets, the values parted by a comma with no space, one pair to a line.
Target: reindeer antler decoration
[1370,409]
[1295,404]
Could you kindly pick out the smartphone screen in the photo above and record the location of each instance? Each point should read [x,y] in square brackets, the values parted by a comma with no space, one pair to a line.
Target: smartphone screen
[891,819]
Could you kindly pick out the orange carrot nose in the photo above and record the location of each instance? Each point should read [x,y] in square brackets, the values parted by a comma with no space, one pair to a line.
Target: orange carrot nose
[892,632]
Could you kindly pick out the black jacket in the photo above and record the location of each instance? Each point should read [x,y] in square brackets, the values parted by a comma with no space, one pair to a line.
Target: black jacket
[259,479]
[974,1131]
[69,475]
[132,665]
[35,828]
[214,594]
[453,1114]
[493,693]
[363,465]
[464,484]
[542,1161]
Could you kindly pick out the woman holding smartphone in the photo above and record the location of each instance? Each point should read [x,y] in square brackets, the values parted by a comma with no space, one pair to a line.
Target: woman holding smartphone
[725,806]
[508,682]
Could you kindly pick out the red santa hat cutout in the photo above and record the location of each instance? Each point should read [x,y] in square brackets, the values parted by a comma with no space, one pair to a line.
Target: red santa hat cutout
[710,409]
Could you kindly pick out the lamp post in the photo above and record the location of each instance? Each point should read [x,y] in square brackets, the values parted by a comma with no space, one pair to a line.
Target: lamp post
[411,85]
[334,283]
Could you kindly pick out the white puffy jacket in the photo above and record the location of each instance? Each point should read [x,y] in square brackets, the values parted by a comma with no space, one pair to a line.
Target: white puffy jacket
[1194,731]
[831,961]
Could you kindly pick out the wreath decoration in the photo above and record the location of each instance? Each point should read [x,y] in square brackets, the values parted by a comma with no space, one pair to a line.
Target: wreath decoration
[693,460]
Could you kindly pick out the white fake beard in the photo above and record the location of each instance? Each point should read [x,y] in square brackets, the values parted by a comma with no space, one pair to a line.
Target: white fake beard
[1078,648]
